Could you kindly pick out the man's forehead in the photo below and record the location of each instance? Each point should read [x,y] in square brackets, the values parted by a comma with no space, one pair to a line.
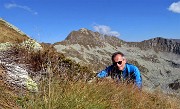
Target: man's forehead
[118,56]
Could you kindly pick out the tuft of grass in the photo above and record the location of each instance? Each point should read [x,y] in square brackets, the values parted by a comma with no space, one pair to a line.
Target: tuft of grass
[8,97]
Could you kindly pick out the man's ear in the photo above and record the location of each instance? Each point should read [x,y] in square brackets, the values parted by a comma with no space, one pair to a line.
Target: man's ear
[124,60]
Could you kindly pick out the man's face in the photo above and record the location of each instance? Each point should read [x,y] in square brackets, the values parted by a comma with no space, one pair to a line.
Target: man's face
[119,61]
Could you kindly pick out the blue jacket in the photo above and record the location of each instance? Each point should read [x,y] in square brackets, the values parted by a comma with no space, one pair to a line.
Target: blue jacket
[130,72]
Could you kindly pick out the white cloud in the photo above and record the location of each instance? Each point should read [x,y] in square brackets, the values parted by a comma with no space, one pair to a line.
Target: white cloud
[14,5]
[106,30]
[175,7]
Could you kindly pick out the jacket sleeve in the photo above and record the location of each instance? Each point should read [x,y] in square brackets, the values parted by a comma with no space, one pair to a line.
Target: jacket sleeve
[138,79]
[105,72]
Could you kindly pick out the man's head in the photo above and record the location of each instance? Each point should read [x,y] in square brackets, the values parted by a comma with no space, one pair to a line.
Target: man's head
[119,60]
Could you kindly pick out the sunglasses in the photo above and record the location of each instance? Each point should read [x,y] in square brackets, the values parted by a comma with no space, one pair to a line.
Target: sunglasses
[119,62]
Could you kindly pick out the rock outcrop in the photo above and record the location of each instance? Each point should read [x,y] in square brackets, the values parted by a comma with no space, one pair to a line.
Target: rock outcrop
[15,74]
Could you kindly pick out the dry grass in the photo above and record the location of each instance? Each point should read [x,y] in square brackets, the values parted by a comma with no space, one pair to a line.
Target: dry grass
[7,97]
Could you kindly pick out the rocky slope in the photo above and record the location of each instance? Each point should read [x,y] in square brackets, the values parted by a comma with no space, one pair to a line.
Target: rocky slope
[157,58]
[16,74]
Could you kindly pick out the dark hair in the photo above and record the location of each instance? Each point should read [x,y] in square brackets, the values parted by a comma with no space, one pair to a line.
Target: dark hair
[116,53]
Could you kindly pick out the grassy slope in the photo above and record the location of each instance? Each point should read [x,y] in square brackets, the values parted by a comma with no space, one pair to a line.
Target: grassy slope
[100,95]
[8,34]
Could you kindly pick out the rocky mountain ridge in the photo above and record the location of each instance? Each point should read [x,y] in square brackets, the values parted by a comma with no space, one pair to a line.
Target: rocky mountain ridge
[159,44]
[177,40]
[87,37]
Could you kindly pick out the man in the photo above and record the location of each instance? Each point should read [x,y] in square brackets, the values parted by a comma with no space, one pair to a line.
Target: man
[122,71]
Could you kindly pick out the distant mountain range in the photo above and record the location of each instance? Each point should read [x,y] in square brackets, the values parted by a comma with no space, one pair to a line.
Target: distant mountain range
[177,40]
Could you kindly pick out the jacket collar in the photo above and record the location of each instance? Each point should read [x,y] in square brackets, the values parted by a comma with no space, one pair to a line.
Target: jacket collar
[125,67]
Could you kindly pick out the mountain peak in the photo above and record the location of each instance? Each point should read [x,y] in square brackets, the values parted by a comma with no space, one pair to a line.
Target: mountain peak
[88,38]
[84,30]
[84,37]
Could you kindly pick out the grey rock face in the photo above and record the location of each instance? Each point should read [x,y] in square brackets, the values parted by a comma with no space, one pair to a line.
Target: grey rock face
[19,77]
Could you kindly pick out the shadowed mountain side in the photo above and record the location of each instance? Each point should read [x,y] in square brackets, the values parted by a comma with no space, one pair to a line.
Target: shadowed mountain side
[159,44]
[177,40]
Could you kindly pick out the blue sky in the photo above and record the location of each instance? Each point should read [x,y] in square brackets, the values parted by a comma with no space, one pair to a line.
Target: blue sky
[51,21]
